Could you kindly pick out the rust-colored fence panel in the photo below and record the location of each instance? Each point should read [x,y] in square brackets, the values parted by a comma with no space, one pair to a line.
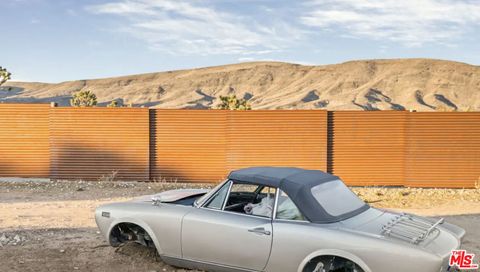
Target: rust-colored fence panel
[88,143]
[367,147]
[24,140]
[188,145]
[443,149]
[204,145]
[277,138]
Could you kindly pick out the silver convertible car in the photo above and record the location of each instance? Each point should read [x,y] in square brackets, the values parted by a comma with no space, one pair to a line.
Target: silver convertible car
[279,219]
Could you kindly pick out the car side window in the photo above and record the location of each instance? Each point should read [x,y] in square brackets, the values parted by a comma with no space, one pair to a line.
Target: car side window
[217,200]
[286,209]
[251,199]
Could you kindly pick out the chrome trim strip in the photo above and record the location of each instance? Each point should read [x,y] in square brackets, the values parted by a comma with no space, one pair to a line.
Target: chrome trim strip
[291,221]
[274,215]
[201,205]
[243,214]
[274,218]
[217,265]
[227,196]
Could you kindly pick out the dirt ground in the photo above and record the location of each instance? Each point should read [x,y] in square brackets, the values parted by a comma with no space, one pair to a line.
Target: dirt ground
[49,226]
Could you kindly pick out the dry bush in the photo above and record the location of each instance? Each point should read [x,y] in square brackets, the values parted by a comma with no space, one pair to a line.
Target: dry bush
[161,179]
[113,104]
[109,177]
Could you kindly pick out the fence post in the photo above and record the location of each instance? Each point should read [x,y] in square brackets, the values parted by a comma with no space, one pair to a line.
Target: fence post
[330,142]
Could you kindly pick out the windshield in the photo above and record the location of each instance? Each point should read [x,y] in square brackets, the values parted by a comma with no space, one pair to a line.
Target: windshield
[207,195]
[336,198]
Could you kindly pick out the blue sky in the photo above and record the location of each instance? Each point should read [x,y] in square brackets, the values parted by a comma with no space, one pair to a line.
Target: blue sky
[59,40]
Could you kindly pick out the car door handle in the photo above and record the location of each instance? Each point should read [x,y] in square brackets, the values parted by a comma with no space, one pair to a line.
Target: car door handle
[260,231]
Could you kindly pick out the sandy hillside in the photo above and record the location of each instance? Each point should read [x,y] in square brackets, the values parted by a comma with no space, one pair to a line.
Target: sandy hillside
[419,84]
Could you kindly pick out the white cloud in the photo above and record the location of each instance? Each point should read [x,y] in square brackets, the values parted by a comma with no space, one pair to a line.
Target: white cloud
[409,22]
[252,59]
[246,59]
[192,27]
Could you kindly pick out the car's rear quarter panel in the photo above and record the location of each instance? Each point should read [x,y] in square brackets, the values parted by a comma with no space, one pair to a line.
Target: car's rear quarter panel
[293,242]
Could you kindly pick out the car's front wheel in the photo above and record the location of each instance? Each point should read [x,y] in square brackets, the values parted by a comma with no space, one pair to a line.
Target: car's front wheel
[331,264]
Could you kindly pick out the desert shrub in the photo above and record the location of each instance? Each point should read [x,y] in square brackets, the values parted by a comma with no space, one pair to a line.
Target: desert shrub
[231,102]
[108,177]
[113,104]
[4,75]
[83,99]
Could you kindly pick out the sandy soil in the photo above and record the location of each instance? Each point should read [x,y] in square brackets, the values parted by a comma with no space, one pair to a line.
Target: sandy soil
[426,202]
[420,84]
[49,226]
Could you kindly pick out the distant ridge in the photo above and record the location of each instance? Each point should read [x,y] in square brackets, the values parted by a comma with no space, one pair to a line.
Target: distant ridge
[400,84]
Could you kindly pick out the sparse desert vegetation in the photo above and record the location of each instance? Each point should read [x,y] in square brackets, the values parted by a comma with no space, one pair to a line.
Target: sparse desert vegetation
[4,75]
[83,99]
[231,102]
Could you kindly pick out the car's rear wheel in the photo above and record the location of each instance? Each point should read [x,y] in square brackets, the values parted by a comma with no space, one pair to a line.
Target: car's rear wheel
[331,264]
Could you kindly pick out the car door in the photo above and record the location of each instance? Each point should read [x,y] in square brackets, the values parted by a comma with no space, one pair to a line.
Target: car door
[214,235]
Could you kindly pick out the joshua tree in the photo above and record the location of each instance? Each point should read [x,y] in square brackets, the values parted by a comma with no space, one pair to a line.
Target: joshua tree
[83,99]
[4,75]
[231,102]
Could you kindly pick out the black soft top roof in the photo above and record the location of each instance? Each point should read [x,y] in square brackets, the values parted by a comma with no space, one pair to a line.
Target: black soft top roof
[281,176]
[297,184]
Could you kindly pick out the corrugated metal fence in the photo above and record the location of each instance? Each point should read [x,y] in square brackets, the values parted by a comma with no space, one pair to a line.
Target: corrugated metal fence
[415,149]
[368,147]
[188,145]
[442,149]
[280,138]
[91,143]
[24,140]
[364,148]
[204,145]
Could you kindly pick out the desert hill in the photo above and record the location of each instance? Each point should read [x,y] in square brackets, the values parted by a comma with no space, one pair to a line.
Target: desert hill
[420,84]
